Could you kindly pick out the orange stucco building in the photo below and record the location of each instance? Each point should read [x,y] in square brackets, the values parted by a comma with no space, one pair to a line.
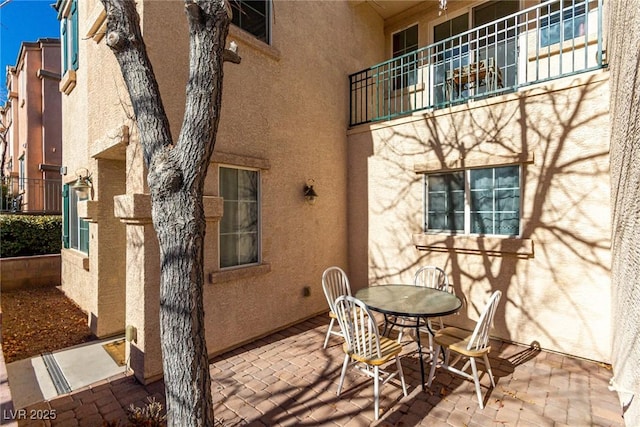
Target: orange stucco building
[32,121]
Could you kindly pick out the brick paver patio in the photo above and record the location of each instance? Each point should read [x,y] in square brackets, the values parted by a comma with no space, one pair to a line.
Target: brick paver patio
[288,379]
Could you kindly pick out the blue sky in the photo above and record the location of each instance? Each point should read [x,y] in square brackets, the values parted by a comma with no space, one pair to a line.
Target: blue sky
[23,21]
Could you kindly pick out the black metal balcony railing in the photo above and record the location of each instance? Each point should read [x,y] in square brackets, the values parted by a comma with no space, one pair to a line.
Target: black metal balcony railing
[31,195]
[554,39]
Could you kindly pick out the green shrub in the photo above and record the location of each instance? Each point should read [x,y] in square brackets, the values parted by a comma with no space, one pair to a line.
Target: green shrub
[26,235]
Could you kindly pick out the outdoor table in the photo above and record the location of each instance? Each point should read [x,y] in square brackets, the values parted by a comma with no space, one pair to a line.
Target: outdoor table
[409,301]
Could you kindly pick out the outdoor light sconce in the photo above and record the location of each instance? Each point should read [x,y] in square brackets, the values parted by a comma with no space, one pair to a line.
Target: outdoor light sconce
[83,184]
[310,195]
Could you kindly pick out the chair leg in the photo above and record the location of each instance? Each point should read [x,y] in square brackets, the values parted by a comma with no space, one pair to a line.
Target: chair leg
[434,362]
[476,381]
[344,371]
[376,392]
[399,365]
[326,340]
[488,368]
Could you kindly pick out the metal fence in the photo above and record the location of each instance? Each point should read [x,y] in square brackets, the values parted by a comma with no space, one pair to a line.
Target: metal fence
[31,195]
[554,39]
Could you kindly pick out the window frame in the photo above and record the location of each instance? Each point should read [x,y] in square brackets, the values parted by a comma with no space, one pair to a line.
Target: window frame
[405,66]
[468,212]
[258,210]
[238,4]
[75,230]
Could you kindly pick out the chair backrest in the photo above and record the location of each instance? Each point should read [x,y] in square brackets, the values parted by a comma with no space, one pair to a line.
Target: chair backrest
[430,276]
[359,327]
[334,284]
[480,337]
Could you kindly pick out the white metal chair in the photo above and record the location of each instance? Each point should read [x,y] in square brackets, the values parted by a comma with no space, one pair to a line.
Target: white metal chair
[471,345]
[364,346]
[428,276]
[334,284]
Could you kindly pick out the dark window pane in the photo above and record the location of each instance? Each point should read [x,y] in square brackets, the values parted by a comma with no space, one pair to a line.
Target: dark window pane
[252,16]
[446,202]
[228,251]
[481,200]
[508,224]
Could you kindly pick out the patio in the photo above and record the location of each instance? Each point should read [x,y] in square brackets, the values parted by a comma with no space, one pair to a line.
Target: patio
[287,379]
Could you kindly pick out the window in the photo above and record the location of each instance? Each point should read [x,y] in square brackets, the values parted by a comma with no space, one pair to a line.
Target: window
[253,17]
[404,42]
[557,26]
[68,17]
[445,202]
[450,54]
[22,174]
[498,40]
[475,201]
[75,231]
[240,224]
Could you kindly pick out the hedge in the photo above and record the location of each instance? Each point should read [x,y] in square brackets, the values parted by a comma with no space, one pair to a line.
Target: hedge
[26,235]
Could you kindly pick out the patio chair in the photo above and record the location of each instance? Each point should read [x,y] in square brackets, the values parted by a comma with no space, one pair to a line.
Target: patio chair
[364,348]
[474,346]
[428,276]
[334,284]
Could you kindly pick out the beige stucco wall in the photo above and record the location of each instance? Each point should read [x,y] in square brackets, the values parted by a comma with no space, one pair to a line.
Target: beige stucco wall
[93,111]
[555,284]
[284,112]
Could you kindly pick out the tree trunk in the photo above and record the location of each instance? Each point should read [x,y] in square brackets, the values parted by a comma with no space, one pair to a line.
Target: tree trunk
[624,81]
[176,179]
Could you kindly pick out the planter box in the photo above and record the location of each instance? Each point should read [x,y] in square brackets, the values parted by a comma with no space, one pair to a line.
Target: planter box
[30,271]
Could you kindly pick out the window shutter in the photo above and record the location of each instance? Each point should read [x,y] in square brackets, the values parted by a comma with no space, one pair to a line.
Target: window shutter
[65,216]
[65,43]
[74,35]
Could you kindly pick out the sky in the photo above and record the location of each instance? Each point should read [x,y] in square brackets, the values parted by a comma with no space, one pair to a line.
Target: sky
[23,21]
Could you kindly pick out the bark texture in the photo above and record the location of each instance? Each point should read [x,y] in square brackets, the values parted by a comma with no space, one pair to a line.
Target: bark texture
[176,175]
[624,60]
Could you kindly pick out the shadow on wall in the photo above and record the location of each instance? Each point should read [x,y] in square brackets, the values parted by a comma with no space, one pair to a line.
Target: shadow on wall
[557,198]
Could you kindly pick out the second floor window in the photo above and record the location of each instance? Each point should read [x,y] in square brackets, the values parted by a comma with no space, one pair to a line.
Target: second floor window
[564,20]
[240,224]
[68,17]
[253,17]
[482,201]
[405,68]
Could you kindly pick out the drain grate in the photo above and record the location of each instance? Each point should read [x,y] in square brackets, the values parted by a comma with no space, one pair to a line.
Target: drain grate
[58,378]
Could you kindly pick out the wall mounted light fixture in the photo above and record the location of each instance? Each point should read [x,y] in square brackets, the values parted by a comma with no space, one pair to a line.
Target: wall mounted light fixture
[310,195]
[83,184]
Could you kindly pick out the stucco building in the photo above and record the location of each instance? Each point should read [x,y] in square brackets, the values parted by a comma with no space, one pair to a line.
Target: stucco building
[474,139]
[31,124]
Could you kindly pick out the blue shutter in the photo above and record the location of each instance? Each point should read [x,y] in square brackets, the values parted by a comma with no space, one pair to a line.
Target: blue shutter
[65,41]
[65,216]
[74,34]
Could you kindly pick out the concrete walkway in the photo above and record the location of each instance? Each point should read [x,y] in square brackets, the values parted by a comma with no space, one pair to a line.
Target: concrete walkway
[287,379]
[45,377]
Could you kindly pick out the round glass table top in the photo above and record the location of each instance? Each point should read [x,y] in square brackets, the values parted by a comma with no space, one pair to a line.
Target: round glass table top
[409,300]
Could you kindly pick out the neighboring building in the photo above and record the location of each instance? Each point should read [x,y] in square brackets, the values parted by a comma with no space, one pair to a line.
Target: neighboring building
[32,126]
[478,143]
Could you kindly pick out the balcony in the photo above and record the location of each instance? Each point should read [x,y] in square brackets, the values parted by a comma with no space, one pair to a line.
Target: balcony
[31,195]
[554,39]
